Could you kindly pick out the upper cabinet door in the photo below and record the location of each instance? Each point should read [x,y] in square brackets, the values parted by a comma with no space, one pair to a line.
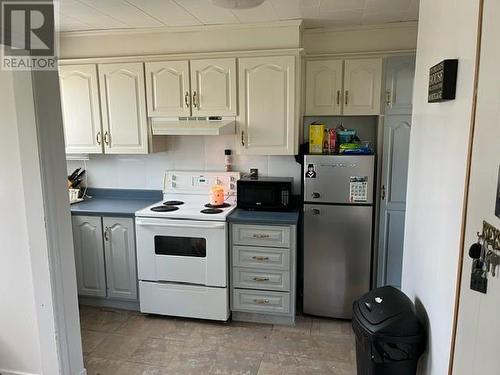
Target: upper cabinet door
[324,87]
[167,88]
[399,77]
[362,85]
[267,105]
[119,247]
[213,87]
[123,105]
[89,256]
[80,107]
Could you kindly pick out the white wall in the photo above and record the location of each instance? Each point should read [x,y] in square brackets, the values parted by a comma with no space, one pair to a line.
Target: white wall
[478,329]
[19,332]
[184,153]
[437,170]
[357,39]
[217,38]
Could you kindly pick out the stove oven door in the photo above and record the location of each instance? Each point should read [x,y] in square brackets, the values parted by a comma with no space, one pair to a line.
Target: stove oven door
[184,251]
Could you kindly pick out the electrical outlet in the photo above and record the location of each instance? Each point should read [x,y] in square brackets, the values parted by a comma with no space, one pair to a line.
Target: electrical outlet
[478,282]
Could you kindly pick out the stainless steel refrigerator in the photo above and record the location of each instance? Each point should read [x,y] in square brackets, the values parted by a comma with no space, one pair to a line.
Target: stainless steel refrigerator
[338,215]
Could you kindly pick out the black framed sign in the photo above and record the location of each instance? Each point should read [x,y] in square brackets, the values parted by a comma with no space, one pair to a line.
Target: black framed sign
[443,81]
[497,206]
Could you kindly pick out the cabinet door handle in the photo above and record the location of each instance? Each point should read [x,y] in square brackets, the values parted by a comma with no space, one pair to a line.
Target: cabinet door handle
[242,138]
[195,104]
[388,98]
[346,97]
[257,235]
[106,235]
[98,138]
[261,301]
[315,211]
[338,97]
[186,99]
[261,278]
[383,192]
[260,258]
[107,138]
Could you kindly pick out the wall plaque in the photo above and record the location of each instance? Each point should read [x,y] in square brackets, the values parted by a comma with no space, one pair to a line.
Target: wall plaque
[497,207]
[443,81]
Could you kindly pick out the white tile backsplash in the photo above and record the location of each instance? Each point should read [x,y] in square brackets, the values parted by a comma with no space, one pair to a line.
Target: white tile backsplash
[184,153]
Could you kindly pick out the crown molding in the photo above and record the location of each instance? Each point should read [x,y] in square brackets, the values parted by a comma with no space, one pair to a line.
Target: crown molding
[392,25]
[183,29]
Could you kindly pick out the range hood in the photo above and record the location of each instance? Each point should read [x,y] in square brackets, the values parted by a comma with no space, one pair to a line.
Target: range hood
[194,126]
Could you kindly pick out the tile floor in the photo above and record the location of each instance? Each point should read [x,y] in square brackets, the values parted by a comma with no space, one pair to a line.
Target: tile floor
[129,343]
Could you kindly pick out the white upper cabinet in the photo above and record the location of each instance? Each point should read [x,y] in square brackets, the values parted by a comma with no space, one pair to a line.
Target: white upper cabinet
[399,77]
[324,87]
[213,87]
[123,105]
[362,86]
[80,107]
[267,98]
[167,87]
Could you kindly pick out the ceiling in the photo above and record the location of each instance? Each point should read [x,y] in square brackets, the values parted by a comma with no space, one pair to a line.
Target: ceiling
[119,14]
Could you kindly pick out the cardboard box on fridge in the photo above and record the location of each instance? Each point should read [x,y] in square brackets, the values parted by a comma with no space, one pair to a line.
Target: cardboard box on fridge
[316,138]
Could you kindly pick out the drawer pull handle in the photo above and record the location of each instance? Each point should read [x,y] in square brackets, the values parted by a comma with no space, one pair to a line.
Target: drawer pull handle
[260,258]
[261,301]
[261,278]
[256,235]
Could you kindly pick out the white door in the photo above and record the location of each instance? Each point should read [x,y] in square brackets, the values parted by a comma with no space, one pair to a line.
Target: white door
[324,87]
[478,331]
[362,85]
[393,199]
[123,105]
[267,105]
[213,87]
[399,77]
[80,108]
[119,249]
[89,256]
[167,88]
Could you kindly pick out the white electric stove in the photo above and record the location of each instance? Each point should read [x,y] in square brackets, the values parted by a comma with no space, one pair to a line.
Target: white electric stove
[182,247]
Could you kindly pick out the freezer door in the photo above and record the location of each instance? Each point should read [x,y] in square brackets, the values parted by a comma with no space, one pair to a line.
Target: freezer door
[337,258]
[339,179]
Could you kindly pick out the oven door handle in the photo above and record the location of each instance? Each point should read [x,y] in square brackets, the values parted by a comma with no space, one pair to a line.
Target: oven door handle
[186,224]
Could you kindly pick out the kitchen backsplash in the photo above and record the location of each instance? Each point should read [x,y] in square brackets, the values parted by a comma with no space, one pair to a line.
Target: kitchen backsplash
[184,153]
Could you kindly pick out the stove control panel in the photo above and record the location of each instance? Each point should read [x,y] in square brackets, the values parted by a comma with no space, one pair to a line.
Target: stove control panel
[193,182]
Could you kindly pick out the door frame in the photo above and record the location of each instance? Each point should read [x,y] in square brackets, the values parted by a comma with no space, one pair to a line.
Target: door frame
[39,110]
[458,285]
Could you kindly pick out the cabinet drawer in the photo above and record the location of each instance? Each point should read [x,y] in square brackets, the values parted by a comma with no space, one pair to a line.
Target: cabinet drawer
[261,235]
[261,257]
[261,301]
[261,279]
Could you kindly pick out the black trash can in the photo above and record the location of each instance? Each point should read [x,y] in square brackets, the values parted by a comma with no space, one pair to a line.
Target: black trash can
[389,337]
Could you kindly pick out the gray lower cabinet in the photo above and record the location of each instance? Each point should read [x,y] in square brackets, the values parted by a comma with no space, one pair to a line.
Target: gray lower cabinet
[105,259]
[263,275]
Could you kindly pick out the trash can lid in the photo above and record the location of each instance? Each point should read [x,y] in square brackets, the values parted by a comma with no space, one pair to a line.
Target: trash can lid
[387,311]
[384,303]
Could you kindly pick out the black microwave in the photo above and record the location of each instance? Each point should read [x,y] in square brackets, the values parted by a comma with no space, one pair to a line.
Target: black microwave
[265,193]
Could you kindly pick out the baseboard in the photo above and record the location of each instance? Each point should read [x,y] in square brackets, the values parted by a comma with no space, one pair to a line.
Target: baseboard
[10,372]
[105,302]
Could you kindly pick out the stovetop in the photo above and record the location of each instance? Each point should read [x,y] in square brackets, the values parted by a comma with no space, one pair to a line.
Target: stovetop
[193,207]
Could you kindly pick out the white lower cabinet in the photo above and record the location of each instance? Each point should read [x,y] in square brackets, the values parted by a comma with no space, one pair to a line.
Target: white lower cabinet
[89,256]
[119,251]
[105,257]
[263,275]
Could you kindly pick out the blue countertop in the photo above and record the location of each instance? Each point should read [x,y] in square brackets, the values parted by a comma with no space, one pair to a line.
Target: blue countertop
[264,217]
[115,202]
